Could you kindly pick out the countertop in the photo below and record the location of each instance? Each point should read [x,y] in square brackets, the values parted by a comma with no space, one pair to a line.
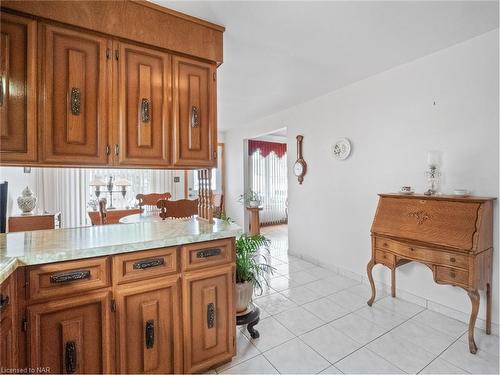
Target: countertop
[56,245]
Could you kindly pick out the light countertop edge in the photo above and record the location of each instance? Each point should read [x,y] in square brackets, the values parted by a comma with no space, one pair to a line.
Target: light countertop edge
[58,245]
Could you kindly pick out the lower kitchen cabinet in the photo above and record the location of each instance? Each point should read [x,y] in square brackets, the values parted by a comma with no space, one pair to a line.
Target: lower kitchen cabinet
[7,352]
[209,318]
[71,335]
[149,333]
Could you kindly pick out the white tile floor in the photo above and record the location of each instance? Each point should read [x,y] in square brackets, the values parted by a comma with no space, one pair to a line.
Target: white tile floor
[315,321]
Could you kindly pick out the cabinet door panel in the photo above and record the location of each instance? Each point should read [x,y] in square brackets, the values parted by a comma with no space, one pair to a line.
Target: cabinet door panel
[149,333]
[75,84]
[143,87]
[209,318]
[194,113]
[18,131]
[71,335]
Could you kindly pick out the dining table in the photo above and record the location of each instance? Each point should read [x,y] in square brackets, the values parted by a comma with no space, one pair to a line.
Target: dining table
[147,217]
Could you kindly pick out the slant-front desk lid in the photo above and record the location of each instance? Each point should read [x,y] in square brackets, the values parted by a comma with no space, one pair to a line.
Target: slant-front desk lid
[463,223]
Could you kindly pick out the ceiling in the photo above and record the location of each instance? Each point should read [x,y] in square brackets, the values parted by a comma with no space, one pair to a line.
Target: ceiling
[278,53]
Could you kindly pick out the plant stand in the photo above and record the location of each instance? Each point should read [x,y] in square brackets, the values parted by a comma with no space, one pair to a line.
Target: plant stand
[251,318]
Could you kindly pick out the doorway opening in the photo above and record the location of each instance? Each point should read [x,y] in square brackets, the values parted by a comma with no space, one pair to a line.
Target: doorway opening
[268,179]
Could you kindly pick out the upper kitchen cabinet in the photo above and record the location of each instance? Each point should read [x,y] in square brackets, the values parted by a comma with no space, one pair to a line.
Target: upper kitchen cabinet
[144,135]
[74,96]
[18,129]
[194,113]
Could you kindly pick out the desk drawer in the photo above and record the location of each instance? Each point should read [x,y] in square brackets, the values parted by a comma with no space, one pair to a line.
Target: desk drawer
[68,278]
[452,276]
[385,257]
[207,254]
[433,256]
[142,265]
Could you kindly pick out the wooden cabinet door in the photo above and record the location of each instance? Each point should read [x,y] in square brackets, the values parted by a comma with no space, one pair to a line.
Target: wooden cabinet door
[18,130]
[7,351]
[209,318]
[194,105]
[71,335]
[75,97]
[143,106]
[149,337]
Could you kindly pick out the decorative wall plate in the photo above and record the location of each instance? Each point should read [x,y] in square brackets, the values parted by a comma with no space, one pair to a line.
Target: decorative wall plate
[342,149]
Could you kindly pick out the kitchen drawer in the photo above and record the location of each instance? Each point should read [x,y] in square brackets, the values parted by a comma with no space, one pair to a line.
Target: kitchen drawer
[454,276]
[433,256]
[207,254]
[7,297]
[142,265]
[68,278]
[385,257]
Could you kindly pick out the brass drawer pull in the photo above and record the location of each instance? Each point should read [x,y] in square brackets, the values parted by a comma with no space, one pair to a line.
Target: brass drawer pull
[453,260]
[148,263]
[4,302]
[149,333]
[70,357]
[412,249]
[70,276]
[384,256]
[210,315]
[385,244]
[208,253]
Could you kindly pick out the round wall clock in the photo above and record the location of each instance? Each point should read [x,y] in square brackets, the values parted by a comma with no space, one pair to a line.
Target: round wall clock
[342,149]
[300,166]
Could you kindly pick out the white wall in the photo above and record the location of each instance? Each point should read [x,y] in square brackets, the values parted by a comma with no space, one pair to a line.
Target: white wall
[18,180]
[392,122]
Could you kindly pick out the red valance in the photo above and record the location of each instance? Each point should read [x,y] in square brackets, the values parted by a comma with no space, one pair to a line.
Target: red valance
[266,148]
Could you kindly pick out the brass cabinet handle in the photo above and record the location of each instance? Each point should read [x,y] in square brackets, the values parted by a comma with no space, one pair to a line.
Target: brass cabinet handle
[208,253]
[108,150]
[75,101]
[149,334]
[195,117]
[70,357]
[453,260]
[148,263]
[210,315]
[70,276]
[4,302]
[117,149]
[145,110]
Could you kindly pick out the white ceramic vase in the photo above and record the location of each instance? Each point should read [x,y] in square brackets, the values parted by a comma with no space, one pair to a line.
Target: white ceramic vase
[254,204]
[244,292]
[27,201]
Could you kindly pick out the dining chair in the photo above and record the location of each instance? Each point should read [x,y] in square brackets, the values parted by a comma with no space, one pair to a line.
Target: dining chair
[182,208]
[103,212]
[218,201]
[147,202]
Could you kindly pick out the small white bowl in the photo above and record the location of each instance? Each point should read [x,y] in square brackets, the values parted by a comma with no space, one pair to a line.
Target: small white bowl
[461,192]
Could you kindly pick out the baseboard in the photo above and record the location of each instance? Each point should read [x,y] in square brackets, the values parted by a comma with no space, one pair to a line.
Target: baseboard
[403,294]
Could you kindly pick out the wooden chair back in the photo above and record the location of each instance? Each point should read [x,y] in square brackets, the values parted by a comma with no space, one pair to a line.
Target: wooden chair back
[103,212]
[148,201]
[181,208]
[218,201]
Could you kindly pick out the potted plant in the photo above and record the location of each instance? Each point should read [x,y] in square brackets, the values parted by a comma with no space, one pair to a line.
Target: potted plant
[251,268]
[250,199]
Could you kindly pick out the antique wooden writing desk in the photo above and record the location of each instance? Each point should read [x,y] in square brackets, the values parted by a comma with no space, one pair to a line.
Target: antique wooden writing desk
[452,235]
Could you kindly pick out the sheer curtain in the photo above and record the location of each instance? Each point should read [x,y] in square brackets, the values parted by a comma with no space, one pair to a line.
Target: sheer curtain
[67,189]
[268,178]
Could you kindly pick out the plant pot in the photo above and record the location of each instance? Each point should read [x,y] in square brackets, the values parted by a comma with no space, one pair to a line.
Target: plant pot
[244,292]
[254,204]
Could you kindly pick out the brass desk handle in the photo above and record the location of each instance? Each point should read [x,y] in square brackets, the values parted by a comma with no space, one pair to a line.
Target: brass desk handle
[453,260]
[4,302]
[70,276]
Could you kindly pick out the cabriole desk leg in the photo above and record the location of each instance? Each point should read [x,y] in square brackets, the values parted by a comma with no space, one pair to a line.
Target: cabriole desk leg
[369,268]
[474,298]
